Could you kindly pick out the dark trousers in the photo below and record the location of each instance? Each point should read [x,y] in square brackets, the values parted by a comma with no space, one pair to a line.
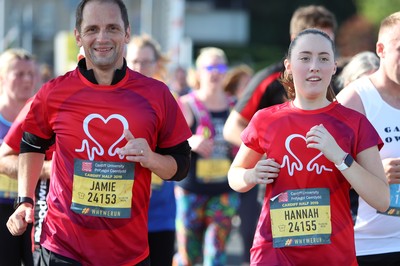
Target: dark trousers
[162,248]
[14,250]
[249,212]
[49,258]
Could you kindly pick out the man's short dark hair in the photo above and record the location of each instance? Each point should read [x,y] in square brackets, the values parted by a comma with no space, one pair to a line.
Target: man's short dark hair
[312,16]
[81,6]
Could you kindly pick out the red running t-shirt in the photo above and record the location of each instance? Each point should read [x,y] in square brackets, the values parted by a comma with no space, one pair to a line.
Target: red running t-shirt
[279,132]
[88,121]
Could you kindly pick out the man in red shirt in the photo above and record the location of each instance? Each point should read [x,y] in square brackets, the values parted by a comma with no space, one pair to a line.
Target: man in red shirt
[112,128]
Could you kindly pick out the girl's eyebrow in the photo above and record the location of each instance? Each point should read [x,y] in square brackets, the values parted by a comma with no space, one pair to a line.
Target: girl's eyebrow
[308,52]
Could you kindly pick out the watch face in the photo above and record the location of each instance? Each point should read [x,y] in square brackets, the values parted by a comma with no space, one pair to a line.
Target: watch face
[348,160]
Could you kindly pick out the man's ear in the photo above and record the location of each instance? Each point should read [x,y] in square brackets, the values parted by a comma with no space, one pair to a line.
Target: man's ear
[128,35]
[380,49]
[78,38]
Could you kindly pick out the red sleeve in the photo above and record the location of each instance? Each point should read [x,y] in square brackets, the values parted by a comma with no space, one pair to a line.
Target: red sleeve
[254,101]
[250,135]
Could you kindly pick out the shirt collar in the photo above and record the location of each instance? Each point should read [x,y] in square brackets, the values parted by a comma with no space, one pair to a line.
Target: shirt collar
[89,74]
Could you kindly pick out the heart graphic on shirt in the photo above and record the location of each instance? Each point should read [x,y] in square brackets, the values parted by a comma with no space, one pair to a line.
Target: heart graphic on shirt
[97,149]
[297,164]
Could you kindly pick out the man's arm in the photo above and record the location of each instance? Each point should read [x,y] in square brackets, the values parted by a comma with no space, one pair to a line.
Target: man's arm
[8,161]
[29,170]
[350,98]
[234,126]
[181,153]
[263,90]
[30,166]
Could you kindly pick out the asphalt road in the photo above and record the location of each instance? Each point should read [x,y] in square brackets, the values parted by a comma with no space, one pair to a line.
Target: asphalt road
[234,249]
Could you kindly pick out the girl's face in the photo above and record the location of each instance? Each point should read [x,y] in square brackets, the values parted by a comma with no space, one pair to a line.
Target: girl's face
[312,65]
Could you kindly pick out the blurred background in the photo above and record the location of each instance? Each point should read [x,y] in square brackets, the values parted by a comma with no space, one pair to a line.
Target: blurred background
[255,32]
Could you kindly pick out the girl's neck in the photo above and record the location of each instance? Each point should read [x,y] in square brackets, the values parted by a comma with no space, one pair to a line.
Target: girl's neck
[310,104]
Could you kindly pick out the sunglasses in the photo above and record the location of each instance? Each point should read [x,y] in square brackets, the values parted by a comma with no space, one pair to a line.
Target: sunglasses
[221,68]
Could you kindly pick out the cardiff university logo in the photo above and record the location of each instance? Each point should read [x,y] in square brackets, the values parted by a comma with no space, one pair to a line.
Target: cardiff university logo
[97,149]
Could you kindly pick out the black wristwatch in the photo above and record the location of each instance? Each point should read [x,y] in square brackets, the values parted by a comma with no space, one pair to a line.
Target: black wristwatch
[19,200]
[346,163]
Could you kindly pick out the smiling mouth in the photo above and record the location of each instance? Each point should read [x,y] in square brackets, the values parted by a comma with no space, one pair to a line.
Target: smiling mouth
[313,79]
[102,50]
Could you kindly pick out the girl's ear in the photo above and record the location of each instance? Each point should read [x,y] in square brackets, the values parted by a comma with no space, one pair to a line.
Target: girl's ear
[287,66]
[335,68]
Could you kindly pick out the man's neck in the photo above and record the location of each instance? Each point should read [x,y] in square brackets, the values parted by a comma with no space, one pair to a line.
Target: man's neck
[89,74]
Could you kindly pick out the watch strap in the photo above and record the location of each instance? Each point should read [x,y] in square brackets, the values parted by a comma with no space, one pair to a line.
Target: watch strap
[346,163]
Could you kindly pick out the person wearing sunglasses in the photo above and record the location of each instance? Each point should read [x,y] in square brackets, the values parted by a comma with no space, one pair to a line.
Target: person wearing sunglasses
[205,203]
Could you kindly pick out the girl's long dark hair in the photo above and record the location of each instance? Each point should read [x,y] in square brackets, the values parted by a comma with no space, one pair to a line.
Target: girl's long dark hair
[287,79]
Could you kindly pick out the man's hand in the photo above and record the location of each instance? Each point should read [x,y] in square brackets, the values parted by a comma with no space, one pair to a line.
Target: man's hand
[136,150]
[392,170]
[19,220]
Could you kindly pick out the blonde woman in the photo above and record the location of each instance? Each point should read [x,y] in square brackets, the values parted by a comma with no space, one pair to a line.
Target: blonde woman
[205,203]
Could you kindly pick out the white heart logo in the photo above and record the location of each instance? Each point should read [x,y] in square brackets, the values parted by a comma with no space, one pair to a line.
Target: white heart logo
[98,149]
[297,164]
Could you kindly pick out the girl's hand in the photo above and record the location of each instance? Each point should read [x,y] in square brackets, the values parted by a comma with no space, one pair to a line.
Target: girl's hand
[319,138]
[265,172]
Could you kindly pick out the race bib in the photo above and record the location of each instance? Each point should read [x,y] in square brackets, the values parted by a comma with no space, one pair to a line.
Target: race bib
[394,207]
[8,187]
[103,189]
[301,218]
[212,170]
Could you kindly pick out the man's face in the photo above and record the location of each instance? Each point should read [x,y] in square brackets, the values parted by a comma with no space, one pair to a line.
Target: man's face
[102,36]
[388,49]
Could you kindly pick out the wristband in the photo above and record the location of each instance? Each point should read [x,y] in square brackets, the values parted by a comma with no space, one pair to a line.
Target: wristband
[20,200]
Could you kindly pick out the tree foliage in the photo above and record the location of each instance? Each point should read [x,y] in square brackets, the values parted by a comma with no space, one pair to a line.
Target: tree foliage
[375,10]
